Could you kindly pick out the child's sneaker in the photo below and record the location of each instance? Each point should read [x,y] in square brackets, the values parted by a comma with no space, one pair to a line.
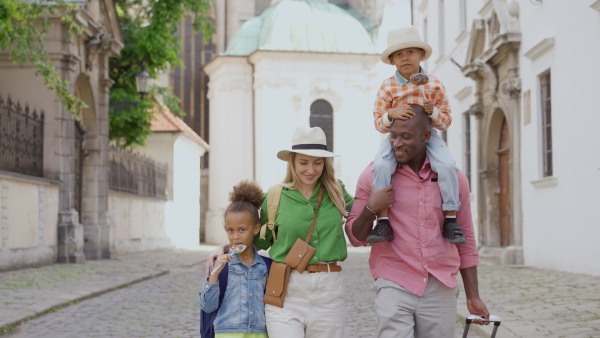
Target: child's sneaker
[381,233]
[453,232]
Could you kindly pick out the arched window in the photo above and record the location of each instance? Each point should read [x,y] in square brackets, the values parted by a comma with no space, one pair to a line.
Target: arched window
[321,115]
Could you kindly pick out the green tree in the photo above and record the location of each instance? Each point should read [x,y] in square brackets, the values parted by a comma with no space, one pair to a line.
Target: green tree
[150,32]
[23,26]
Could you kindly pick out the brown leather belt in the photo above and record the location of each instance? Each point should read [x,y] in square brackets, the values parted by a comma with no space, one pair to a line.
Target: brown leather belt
[329,267]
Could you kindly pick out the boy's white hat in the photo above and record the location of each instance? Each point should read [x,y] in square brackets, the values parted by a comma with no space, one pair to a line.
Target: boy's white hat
[405,37]
[307,141]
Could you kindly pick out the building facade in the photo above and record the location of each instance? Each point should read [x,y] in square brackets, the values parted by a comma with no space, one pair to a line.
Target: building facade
[521,87]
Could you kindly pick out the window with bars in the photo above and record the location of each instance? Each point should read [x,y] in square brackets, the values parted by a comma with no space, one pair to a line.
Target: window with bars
[545,97]
[467,146]
[321,115]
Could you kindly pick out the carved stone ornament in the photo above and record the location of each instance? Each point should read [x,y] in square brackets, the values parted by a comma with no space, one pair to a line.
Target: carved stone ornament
[476,110]
[512,87]
[93,45]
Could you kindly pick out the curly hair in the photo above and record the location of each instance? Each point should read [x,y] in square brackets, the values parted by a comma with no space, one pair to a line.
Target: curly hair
[246,196]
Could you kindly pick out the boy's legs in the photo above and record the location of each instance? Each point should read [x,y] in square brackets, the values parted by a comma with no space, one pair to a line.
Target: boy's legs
[384,166]
[443,164]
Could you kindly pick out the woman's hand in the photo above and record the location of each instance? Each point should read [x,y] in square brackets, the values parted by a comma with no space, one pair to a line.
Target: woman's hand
[220,250]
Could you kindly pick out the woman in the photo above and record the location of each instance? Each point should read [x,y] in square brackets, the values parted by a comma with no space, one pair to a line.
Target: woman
[314,304]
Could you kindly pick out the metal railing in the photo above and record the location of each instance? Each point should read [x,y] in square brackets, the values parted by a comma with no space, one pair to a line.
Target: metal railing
[137,174]
[21,139]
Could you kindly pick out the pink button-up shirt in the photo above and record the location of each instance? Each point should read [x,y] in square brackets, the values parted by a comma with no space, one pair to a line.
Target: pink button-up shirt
[418,248]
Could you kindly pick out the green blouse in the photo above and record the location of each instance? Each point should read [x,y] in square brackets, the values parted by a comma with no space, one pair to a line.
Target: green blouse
[294,217]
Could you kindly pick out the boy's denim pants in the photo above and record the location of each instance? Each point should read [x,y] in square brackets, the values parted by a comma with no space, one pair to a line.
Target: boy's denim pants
[441,162]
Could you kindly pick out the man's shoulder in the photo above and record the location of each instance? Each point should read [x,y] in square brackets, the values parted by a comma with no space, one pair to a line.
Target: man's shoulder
[367,174]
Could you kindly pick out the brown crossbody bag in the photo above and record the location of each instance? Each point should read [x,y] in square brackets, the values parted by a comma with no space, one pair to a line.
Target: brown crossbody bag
[297,258]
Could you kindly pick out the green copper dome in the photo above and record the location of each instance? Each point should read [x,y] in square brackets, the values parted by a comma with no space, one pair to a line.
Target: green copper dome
[302,25]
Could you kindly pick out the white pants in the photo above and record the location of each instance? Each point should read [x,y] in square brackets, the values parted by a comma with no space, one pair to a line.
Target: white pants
[403,314]
[314,307]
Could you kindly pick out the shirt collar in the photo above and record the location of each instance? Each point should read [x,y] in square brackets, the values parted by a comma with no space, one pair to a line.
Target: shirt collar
[401,80]
[426,165]
[296,195]
[257,258]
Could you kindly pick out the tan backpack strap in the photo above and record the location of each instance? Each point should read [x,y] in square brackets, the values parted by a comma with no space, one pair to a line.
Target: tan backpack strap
[273,197]
[314,221]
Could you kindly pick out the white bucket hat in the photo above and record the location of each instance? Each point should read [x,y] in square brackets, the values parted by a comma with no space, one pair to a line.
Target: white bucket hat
[307,141]
[405,37]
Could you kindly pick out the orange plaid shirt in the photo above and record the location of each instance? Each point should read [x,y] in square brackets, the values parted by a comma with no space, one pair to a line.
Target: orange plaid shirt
[392,93]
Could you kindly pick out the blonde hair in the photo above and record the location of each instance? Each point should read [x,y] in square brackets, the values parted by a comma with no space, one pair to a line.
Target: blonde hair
[334,189]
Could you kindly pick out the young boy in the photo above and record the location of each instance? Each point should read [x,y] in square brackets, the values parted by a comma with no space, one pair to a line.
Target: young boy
[406,51]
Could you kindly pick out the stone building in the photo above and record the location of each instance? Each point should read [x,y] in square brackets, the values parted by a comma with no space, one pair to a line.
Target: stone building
[62,185]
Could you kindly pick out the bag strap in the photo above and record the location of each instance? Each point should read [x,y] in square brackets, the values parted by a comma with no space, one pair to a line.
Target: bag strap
[273,197]
[314,221]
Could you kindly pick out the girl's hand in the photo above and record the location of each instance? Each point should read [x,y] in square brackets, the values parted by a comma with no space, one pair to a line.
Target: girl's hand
[402,112]
[428,106]
[221,249]
[220,264]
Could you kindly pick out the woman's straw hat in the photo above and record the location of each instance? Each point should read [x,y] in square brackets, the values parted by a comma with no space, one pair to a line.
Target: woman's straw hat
[307,141]
[405,37]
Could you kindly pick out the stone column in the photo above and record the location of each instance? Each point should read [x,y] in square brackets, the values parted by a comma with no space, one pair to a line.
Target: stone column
[98,230]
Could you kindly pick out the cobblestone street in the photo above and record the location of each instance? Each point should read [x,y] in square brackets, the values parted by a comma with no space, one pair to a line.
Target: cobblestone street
[167,306]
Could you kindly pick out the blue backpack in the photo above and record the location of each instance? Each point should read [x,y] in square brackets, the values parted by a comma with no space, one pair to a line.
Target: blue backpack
[207,329]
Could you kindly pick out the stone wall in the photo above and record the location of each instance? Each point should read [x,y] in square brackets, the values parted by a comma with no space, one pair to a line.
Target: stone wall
[139,222]
[28,221]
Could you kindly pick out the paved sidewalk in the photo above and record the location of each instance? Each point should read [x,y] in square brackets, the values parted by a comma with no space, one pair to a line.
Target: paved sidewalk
[31,292]
[531,302]
[538,303]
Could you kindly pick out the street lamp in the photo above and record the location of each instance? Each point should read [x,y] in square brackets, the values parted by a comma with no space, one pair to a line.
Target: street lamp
[141,84]
[141,81]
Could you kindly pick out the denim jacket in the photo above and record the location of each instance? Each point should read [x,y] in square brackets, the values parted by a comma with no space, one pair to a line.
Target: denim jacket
[243,309]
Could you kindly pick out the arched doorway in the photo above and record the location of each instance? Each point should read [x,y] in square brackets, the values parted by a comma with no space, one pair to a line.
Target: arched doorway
[504,185]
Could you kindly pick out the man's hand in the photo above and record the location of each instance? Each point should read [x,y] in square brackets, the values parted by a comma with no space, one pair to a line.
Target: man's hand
[477,307]
[381,199]
[428,106]
[474,303]
[221,249]
[402,112]
[378,200]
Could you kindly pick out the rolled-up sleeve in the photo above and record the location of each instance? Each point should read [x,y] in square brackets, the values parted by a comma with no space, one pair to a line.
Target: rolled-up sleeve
[209,296]
[467,252]
[363,192]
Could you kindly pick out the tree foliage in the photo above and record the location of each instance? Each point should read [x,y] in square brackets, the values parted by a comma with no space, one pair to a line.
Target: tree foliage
[23,26]
[150,34]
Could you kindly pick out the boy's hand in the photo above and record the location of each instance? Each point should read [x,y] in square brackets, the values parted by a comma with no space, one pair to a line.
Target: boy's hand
[428,105]
[402,112]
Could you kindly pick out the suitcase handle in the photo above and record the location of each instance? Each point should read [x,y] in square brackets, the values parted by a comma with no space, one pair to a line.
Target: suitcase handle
[493,319]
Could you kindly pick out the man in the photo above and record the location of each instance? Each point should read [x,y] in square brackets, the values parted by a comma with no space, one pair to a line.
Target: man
[415,273]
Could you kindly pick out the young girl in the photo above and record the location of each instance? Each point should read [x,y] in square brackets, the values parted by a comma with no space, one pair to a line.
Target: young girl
[241,314]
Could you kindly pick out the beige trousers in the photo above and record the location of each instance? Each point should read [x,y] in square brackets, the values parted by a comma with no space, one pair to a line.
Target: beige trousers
[403,314]
[314,307]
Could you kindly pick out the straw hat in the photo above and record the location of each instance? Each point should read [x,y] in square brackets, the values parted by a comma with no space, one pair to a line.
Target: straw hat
[405,37]
[307,141]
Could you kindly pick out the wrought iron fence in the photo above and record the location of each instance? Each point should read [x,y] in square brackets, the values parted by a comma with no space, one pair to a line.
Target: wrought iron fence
[21,139]
[137,174]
